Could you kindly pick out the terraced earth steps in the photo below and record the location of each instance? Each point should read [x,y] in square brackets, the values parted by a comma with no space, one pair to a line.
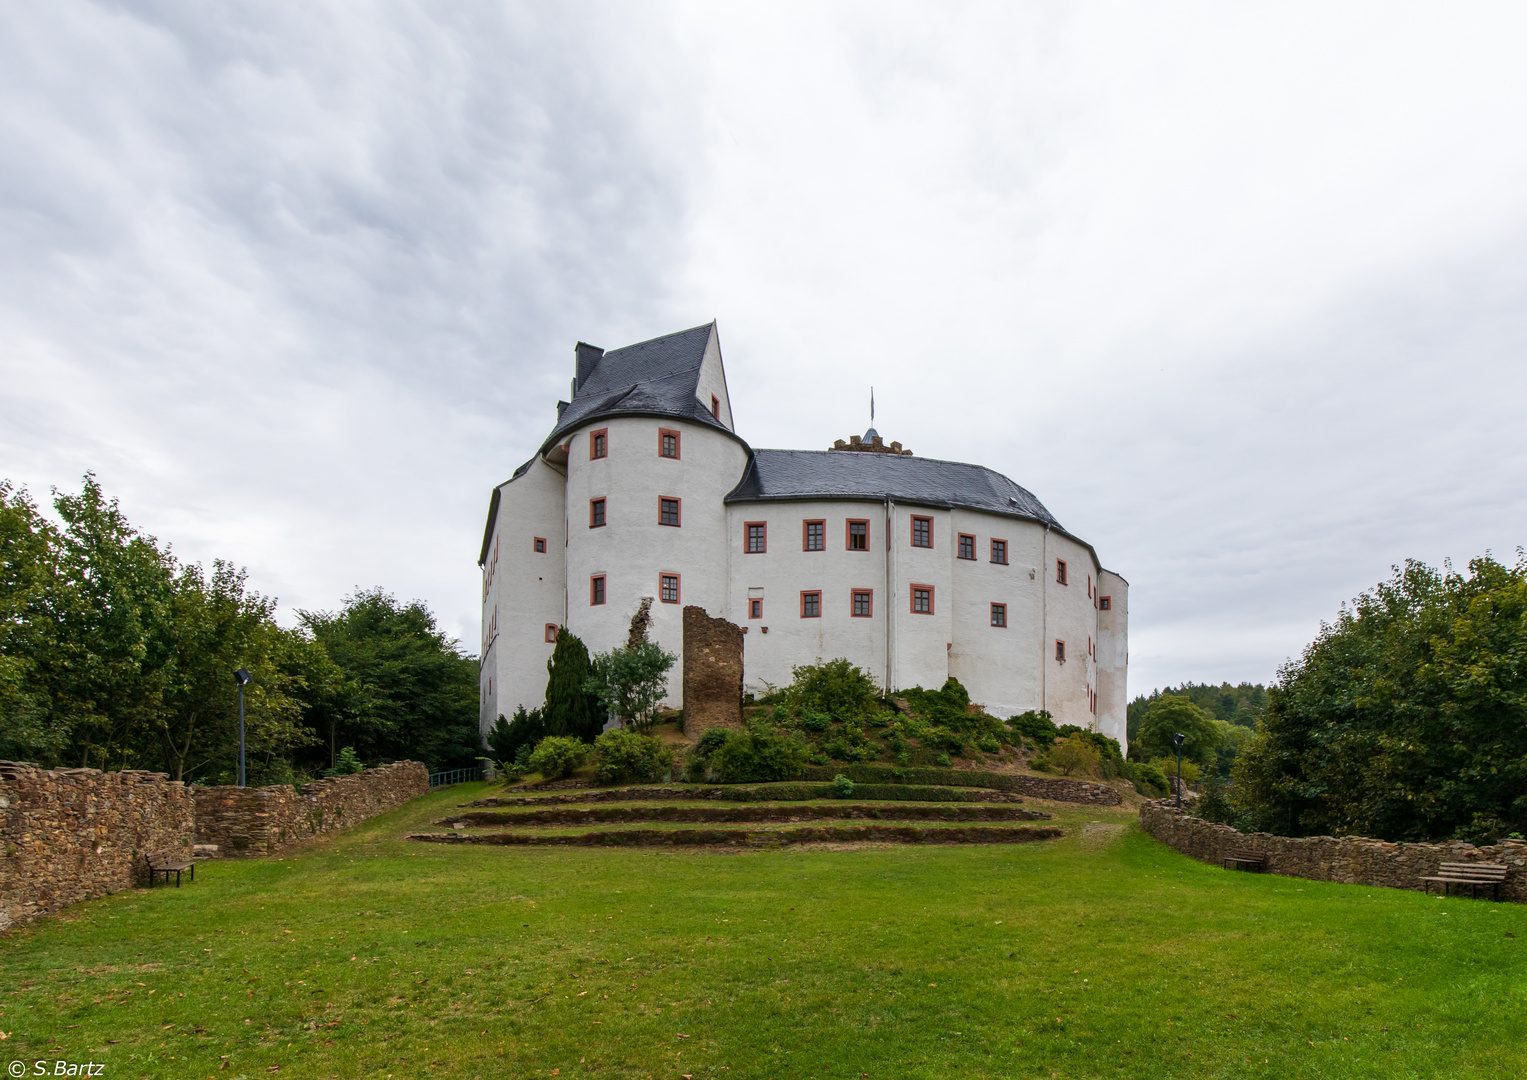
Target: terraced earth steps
[765,812]
[756,838]
[785,792]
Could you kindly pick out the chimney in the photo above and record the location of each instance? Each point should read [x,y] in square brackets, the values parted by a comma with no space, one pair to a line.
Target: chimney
[588,357]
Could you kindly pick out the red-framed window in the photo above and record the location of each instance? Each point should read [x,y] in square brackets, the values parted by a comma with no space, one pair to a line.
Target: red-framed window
[1060,571]
[1105,603]
[967,546]
[596,590]
[922,532]
[551,633]
[922,599]
[863,603]
[814,535]
[668,510]
[755,608]
[715,406]
[596,513]
[811,604]
[857,535]
[668,588]
[999,551]
[1090,650]
[668,443]
[599,443]
[999,615]
[756,537]
[1089,586]
[539,544]
[1060,650]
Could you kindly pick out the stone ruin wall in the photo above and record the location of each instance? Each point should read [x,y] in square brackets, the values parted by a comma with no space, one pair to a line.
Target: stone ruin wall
[68,835]
[267,820]
[1351,860]
[712,673]
[73,834]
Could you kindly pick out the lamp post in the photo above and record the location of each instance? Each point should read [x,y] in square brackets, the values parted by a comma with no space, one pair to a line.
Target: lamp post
[242,676]
[1177,741]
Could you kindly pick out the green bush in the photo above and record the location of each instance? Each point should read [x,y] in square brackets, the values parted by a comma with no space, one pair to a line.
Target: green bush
[712,740]
[1191,773]
[570,708]
[842,786]
[627,756]
[988,744]
[1036,726]
[943,759]
[759,754]
[1074,754]
[346,764]
[835,687]
[815,721]
[557,755]
[948,706]
[1147,778]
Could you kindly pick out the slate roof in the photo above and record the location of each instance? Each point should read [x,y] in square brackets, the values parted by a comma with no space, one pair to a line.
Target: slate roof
[650,378]
[842,474]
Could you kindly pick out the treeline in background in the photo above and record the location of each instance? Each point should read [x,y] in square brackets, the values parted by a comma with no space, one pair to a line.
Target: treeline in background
[115,654]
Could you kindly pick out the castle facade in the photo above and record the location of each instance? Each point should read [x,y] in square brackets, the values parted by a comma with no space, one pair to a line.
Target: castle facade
[914,569]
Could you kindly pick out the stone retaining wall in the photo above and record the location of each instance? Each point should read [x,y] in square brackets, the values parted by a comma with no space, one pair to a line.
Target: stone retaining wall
[1352,860]
[72,834]
[1059,788]
[267,820]
[806,834]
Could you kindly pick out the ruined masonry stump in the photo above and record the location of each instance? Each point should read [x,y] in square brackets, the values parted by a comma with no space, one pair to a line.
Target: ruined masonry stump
[712,673]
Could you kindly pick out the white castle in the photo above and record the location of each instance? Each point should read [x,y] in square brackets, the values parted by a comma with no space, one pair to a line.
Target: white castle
[914,569]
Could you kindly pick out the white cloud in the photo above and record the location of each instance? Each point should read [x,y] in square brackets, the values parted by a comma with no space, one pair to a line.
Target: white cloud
[1238,292]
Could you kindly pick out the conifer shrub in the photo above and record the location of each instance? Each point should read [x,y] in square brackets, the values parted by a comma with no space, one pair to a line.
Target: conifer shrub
[557,755]
[626,756]
[507,738]
[571,709]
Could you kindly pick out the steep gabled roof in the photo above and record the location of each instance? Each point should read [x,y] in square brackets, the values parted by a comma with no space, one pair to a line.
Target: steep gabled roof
[651,378]
[777,475]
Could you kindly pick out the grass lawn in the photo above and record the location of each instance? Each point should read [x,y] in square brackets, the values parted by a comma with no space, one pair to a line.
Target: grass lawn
[1103,954]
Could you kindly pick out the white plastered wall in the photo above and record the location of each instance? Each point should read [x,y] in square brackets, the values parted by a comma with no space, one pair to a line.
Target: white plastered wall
[998,665]
[1113,658]
[524,594]
[712,380]
[632,549]
[780,574]
[1072,617]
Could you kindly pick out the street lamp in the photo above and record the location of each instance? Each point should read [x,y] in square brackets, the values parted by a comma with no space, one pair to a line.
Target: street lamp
[241,677]
[1177,741]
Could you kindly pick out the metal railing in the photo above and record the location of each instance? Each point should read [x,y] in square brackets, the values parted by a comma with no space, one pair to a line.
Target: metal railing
[450,777]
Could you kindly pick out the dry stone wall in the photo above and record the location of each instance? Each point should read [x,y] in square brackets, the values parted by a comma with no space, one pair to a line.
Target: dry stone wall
[1352,860]
[73,834]
[267,820]
[712,673]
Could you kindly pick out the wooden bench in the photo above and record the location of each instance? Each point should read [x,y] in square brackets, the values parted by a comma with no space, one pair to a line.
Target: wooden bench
[166,863]
[1245,860]
[1472,874]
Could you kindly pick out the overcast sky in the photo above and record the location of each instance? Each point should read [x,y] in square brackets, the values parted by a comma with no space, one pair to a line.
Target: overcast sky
[1238,291]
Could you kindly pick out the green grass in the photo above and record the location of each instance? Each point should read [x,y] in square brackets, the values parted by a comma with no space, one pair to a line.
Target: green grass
[1087,956]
